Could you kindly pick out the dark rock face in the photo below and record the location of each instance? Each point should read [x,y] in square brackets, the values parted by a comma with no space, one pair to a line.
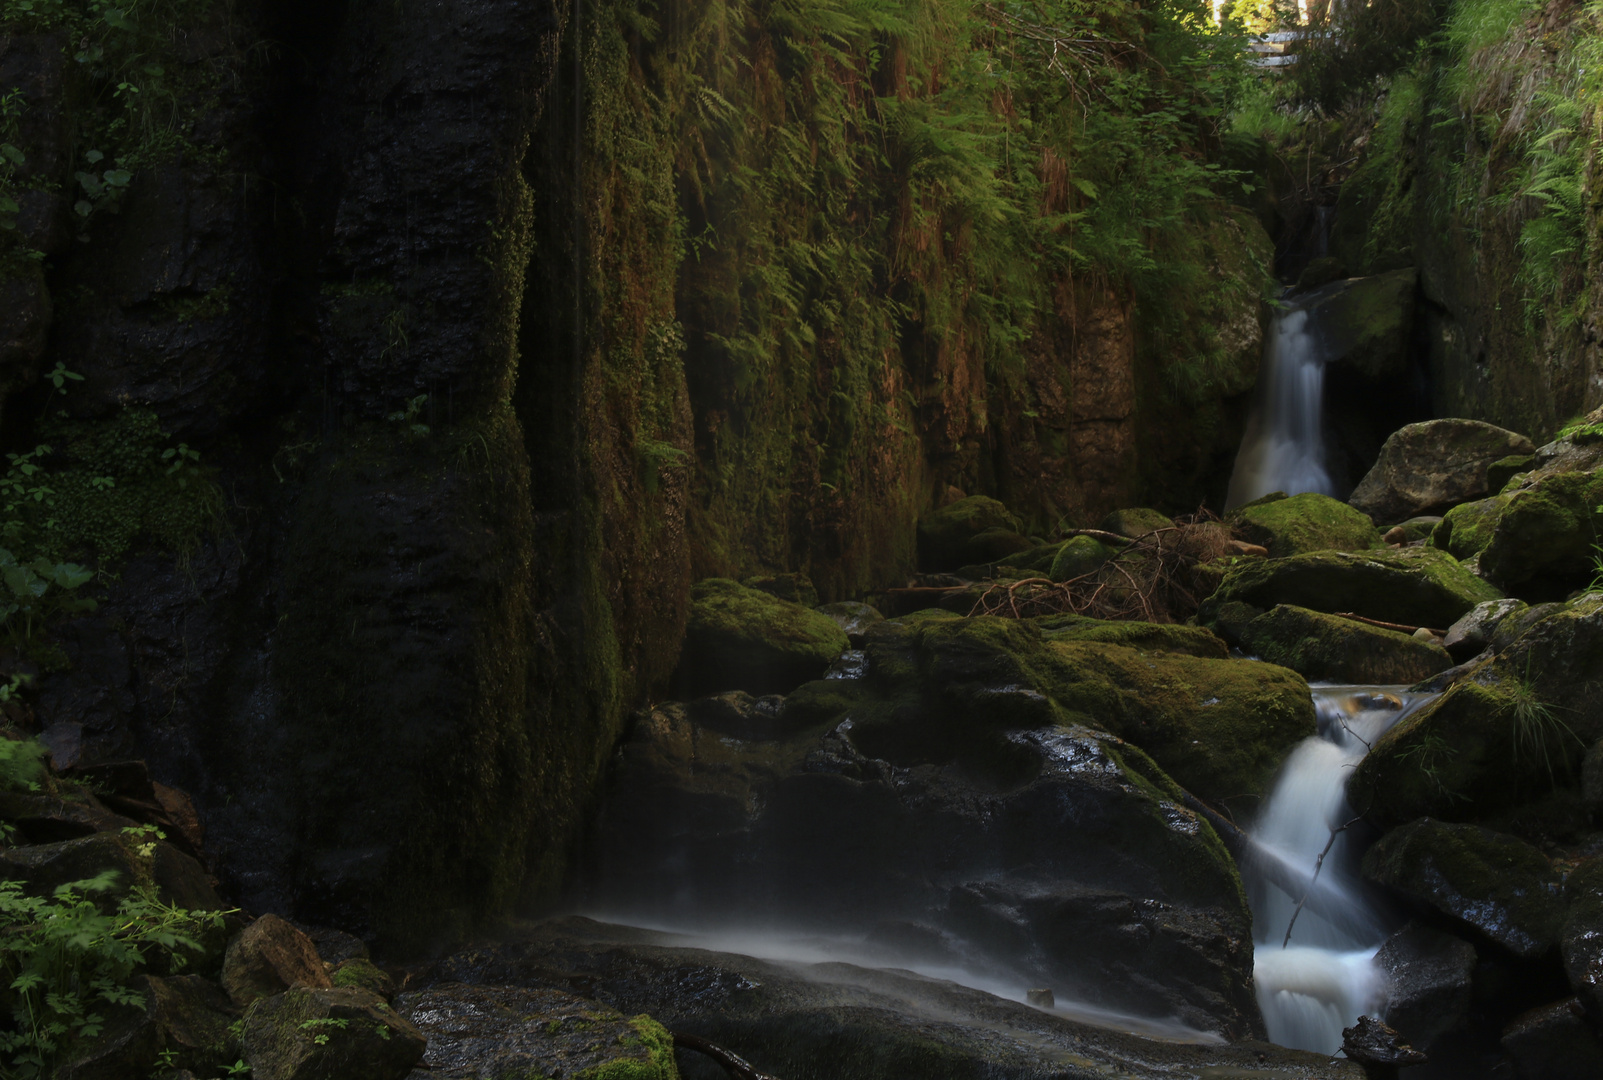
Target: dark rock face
[1555,1042]
[1430,975]
[1429,467]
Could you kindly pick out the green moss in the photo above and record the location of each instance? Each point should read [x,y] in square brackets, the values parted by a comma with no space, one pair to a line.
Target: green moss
[1304,523]
[1467,528]
[1327,648]
[658,1064]
[1156,637]
[1135,522]
[1546,531]
[1078,556]
[739,638]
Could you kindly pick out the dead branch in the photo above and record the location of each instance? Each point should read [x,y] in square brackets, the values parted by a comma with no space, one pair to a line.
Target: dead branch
[733,1065]
[1399,627]
[1318,865]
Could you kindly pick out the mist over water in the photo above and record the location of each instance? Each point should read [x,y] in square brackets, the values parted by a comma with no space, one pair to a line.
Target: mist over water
[1324,977]
[1284,445]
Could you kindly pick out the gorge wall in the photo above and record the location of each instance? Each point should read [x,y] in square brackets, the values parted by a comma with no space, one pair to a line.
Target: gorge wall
[493,323]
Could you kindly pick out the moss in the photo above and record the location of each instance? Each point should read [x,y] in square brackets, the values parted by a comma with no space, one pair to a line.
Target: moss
[658,1064]
[1304,523]
[1467,528]
[1157,637]
[1135,522]
[1502,472]
[364,975]
[1078,556]
[1328,648]
[746,639]
[1546,532]
[944,535]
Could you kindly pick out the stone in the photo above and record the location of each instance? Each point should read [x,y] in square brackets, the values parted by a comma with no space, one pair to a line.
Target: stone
[1429,982]
[1555,1042]
[1041,998]
[46,819]
[329,1034]
[1535,539]
[184,1020]
[797,588]
[1303,523]
[1592,780]
[364,975]
[269,957]
[334,946]
[740,638]
[944,535]
[1432,466]
[1466,529]
[852,617]
[1134,522]
[1581,940]
[1327,648]
[177,878]
[1412,531]
[1372,1043]
[1409,586]
[1499,885]
[503,1031]
[1320,272]
[1079,556]
[1472,633]
[1505,469]
[1367,324]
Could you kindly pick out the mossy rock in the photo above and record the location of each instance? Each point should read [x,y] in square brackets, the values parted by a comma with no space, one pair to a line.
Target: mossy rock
[1501,886]
[1134,522]
[1304,523]
[1504,469]
[1466,529]
[1328,648]
[993,545]
[797,588]
[945,534]
[1413,586]
[744,639]
[1546,532]
[364,975]
[1078,556]
[1428,467]
[1412,530]
[1163,637]
[1037,560]
[345,1033]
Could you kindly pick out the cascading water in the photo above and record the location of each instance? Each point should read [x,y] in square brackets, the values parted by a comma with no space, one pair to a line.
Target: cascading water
[1314,968]
[1284,445]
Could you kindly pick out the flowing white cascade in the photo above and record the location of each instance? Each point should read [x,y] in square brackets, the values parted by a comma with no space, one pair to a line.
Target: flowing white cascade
[1284,445]
[1325,977]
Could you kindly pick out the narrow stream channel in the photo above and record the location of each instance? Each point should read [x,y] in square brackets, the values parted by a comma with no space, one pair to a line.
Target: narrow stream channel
[1314,953]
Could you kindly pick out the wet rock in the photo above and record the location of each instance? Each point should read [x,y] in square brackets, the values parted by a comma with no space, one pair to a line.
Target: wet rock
[1472,633]
[364,975]
[1135,522]
[334,946]
[269,957]
[1366,323]
[1303,523]
[335,1034]
[46,819]
[740,638]
[1077,557]
[184,1021]
[1429,982]
[796,588]
[1555,1042]
[1430,467]
[479,1031]
[944,536]
[1581,942]
[1378,1048]
[177,878]
[1411,586]
[1332,649]
[852,617]
[1501,886]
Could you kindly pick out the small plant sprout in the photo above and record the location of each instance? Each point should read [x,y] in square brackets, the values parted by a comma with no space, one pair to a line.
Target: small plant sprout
[59,377]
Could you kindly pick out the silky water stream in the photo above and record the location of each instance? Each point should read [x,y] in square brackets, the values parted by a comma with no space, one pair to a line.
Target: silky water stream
[1283,448]
[1315,953]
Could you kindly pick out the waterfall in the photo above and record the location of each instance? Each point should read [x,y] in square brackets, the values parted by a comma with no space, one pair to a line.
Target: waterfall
[1284,445]
[1324,977]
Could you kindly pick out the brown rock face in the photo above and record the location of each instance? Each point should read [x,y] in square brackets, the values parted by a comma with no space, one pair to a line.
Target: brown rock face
[269,957]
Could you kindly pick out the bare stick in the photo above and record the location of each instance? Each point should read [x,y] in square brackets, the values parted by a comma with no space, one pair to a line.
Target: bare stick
[733,1065]
[1318,864]
[1399,627]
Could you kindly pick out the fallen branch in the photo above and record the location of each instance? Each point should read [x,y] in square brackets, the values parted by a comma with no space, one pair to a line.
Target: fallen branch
[1318,865]
[733,1065]
[1399,627]
[1117,539]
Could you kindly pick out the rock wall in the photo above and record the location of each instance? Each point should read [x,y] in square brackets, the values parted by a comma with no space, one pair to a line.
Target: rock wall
[488,339]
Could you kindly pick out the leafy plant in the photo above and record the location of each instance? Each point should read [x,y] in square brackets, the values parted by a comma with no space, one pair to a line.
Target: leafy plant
[22,763]
[38,591]
[1537,731]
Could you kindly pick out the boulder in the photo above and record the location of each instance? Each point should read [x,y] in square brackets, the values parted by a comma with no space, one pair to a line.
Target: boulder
[1079,556]
[1329,648]
[852,617]
[329,1034]
[1500,886]
[269,957]
[68,815]
[1367,324]
[364,975]
[1429,978]
[184,1022]
[1472,633]
[944,536]
[1581,940]
[1303,523]
[1532,539]
[993,545]
[740,638]
[1134,522]
[1555,1042]
[1503,470]
[1592,780]
[131,858]
[1466,529]
[1411,586]
[1430,467]
[503,1031]
[1413,531]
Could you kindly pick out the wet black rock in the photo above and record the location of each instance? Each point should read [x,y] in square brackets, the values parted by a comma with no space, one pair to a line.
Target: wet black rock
[1429,982]
[1555,1042]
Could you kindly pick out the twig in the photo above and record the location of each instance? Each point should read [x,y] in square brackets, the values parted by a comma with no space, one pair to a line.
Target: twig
[1399,627]
[733,1065]
[1318,865]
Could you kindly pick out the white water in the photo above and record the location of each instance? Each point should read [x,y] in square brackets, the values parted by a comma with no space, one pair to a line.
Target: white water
[1284,445]
[1325,978]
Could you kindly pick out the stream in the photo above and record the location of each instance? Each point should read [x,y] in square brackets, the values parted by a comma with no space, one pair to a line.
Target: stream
[1283,448]
[1315,970]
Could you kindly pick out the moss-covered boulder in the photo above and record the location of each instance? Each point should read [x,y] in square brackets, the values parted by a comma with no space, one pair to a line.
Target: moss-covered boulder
[1544,535]
[1077,557]
[1136,521]
[1304,523]
[506,1032]
[1466,529]
[744,639]
[797,588]
[339,1034]
[1366,323]
[1413,530]
[1328,648]
[1501,886]
[1500,472]
[946,536]
[852,616]
[1474,631]
[1429,467]
[1411,586]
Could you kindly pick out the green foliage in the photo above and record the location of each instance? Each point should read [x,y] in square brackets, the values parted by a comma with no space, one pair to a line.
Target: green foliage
[1348,46]
[67,961]
[22,764]
[1537,731]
